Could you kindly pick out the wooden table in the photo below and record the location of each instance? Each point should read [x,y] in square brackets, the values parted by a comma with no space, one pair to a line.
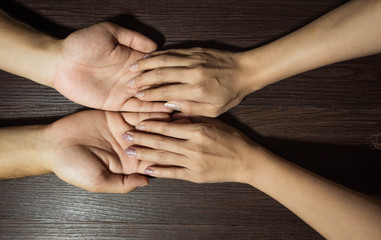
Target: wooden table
[321,120]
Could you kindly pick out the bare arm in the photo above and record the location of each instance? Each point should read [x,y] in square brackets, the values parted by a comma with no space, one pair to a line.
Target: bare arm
[210,82]
[211,151]
[25,51]
[22,151]
[89,67]
[85,149]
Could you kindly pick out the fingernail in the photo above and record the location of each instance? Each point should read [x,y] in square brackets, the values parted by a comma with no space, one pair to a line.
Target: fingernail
[147,55]
[172,106]
[140,94]
[128,137]
[130,152]
[140,127]
[134,66]
[143,185]
[131,82]
[149,171]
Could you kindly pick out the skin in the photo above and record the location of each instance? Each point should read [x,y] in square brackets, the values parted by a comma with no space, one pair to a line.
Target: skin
[209,151]
[85,149]
[209,82]
[90,66]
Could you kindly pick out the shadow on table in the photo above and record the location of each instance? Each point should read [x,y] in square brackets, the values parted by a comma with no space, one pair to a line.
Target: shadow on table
[43,24]
[355,166]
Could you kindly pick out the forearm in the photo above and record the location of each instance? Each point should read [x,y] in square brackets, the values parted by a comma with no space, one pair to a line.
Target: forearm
[350,31]
[22,151]
[25,51]
[333,210]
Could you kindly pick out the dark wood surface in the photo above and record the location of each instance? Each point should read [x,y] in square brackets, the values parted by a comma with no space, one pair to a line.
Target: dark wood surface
[322,120]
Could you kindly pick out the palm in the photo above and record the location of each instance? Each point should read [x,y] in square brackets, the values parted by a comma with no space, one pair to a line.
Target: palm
[88,151]
[93,70]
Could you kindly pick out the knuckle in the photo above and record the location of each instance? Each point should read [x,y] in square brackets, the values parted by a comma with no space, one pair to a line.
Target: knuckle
[162,157]
[172,173]
[199,72]
[159,143]
[201,90]
[160,73]
[163,59]
[202,131]
[166,129]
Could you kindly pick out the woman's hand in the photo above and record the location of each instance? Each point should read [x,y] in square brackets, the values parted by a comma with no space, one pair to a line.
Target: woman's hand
[196,81]
[86,149]
[92,68]
[207,150]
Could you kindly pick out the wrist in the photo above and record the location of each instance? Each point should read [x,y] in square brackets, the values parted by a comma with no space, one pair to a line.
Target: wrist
[256,67]
[22,152]
[255,161]
[46,52]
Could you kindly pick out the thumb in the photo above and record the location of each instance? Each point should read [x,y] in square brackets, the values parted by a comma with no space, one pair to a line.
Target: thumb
[134,40]
[116,183]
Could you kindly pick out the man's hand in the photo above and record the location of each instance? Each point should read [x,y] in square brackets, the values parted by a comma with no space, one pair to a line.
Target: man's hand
[92,68]
[87,150]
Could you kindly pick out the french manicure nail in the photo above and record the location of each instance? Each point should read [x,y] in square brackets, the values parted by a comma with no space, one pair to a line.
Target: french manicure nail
[140,94]
[149,171]
[131,82]
[172,106]
[140,127]
[128,137]
[134,66]
[130,152]
[147,55]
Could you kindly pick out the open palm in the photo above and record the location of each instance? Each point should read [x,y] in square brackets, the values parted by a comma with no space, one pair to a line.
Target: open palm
[86,149]
[92,68]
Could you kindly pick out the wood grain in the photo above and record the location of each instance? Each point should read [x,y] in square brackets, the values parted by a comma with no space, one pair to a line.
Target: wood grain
[321,120]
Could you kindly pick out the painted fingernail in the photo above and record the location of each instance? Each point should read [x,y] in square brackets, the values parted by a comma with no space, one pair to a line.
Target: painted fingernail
[140,127]
[140,94]
[172,106]
[131,82]
[147,55]
[128,137]
[130,152]
[143,185]
[134,66]
[149,171]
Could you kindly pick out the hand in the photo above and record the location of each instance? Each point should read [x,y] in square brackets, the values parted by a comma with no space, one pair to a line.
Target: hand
[92,68]
[202,81]
[86,149]
[205,151]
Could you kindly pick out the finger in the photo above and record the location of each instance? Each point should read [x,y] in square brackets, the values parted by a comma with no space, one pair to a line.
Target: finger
[178,51]
[193,108]
[169,129]
[115,183]
[154,141]
[180,115]
[135,118]
[161,76]
[136,105]
[183,121]
[163,60]
[132,39]
[167,172]
[156,156]
[170,92]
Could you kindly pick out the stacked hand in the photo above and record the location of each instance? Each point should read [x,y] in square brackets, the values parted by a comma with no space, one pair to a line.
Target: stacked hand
[91,67]
[196,81]
[87,149]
